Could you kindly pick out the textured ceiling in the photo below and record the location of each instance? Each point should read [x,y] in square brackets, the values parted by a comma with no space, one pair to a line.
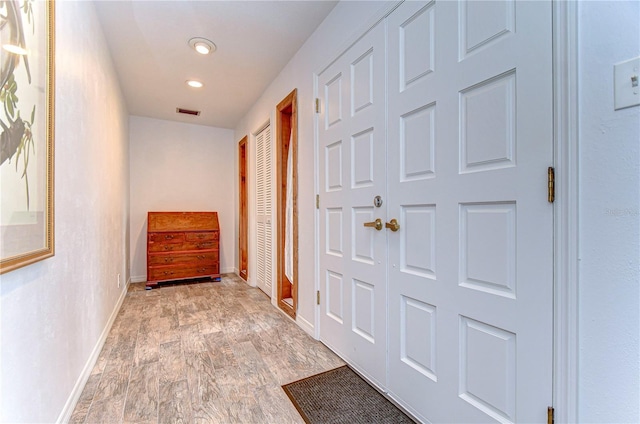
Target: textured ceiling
[148,41]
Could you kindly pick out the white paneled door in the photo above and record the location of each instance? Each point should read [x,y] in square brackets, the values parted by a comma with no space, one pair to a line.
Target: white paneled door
[466,280]
[470,271]
[352,154]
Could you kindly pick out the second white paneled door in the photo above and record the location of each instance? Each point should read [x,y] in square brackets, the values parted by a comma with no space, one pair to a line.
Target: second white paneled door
[452,312]
[353,172]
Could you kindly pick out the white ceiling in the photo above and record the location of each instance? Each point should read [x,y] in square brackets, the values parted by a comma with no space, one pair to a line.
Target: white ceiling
[148,41]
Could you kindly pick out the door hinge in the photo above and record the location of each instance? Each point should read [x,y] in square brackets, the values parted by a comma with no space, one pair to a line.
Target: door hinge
[318,297]
[550,415]
[317,201]
[551,180]
[317,105]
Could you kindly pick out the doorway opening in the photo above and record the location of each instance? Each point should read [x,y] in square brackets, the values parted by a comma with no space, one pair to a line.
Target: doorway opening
[243,242]
[287,210]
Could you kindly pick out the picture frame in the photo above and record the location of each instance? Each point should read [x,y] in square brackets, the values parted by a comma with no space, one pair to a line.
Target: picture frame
[27,101]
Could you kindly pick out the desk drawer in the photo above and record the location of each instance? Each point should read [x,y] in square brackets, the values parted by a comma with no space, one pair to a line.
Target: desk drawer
[164,273]
[201,236]
[196,259]
[166,237]
[184,246]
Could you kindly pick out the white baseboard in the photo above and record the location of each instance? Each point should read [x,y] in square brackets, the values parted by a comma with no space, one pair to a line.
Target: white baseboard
[138,278]
[306,326]
[70,405]
[229,270]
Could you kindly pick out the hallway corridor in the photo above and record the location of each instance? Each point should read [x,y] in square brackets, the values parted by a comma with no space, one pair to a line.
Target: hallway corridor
[207,353]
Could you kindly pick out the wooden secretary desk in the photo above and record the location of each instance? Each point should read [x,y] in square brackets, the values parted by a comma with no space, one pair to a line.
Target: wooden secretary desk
[181,246]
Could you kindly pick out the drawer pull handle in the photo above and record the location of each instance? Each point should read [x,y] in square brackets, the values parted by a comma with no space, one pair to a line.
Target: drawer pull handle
[201,236]
[168,273]
[168,247]
[168,237]
[167,260]
[200,256]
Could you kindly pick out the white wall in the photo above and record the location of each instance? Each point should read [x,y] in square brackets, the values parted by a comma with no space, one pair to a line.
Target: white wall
[345,20]
[180,167]
[609,210]
[54,312]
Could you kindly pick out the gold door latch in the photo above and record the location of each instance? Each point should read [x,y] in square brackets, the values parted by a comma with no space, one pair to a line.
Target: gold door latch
[393,225]
[377,224]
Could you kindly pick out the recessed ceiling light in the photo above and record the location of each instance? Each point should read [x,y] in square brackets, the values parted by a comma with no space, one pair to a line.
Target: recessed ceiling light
[202,48]
[194,84]
[15,49]
[202,45]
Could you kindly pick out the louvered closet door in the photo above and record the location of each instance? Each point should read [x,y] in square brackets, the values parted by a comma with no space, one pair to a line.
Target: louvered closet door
[470,269]
[352,172]
[264,190]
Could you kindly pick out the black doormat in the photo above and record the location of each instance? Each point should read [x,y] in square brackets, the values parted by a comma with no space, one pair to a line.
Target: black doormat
[341,396]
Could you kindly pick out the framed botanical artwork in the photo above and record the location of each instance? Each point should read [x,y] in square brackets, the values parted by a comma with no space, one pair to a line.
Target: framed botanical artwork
[26,132]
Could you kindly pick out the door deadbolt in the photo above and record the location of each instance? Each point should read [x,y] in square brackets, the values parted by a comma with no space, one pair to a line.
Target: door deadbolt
[377,201]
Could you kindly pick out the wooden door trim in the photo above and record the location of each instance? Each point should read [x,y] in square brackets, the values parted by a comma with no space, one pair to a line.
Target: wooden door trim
[286,138]
[243,212]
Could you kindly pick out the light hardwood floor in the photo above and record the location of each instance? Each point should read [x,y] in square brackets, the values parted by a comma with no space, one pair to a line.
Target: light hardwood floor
[207,353]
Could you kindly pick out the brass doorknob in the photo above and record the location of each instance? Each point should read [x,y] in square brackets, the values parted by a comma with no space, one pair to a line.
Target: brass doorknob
[392,225]
[377,224]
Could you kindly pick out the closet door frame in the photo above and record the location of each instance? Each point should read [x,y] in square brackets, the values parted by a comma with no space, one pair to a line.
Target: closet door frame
[286,139]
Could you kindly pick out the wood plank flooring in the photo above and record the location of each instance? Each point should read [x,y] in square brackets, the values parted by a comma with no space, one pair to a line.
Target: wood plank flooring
[200,353]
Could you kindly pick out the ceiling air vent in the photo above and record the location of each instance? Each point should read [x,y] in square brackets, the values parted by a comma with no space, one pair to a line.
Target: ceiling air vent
[187,111]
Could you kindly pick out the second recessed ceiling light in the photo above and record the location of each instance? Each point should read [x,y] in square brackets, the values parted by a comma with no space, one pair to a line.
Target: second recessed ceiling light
[194,84]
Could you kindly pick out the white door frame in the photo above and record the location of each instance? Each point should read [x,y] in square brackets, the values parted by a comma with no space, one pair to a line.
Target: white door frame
[565,232]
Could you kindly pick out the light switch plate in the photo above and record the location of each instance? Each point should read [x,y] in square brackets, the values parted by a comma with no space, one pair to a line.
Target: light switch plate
[626,89]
